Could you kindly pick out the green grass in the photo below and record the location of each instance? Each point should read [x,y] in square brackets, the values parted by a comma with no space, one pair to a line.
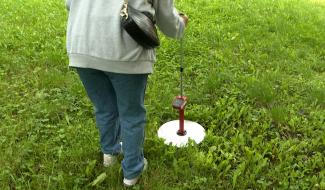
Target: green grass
[255,78]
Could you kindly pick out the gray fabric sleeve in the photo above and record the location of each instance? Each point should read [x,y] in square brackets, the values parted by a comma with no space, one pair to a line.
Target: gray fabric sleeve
[67,4]
[168,19]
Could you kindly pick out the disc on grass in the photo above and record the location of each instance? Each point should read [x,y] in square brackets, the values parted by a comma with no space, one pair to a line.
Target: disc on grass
[168,131]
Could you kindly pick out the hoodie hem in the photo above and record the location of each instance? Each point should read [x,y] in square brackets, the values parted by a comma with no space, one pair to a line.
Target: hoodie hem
[125,67]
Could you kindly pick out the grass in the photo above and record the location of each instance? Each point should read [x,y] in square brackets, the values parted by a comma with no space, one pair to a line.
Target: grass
[254,77]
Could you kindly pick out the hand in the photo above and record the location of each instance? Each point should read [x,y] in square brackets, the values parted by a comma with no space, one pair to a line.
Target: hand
[184,17]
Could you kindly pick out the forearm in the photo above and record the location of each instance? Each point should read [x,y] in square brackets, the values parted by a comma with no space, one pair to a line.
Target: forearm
[168,19]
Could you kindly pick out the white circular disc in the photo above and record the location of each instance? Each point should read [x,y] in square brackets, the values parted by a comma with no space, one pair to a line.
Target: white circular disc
[168,131]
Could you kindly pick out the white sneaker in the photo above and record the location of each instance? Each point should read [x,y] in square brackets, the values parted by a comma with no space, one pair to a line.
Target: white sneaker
[131,182]
[109,160]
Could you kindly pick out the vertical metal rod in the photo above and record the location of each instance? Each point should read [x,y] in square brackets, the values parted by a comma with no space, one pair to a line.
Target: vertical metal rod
[182,64]
[181,131]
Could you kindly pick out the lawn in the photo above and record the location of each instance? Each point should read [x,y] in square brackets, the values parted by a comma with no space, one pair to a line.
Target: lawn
[254,76]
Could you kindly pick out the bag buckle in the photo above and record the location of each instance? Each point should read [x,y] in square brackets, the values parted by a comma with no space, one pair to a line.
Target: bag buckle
[124,11]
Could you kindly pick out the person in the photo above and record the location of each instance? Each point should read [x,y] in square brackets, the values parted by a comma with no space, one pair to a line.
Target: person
[114,70]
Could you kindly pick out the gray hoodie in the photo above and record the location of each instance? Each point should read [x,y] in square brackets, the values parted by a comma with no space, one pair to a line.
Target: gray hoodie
[96,40]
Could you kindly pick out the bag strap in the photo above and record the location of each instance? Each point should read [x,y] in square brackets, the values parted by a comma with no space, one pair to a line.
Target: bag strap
[152,2]
[124,10]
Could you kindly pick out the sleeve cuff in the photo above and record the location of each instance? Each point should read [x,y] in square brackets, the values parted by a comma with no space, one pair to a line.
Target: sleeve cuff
[181,29]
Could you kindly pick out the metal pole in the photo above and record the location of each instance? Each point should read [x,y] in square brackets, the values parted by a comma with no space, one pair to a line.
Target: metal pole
[181,131]
[182,65]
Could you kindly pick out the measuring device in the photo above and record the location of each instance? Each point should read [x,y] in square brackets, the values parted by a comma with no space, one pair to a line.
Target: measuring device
[180,101]
[178,132]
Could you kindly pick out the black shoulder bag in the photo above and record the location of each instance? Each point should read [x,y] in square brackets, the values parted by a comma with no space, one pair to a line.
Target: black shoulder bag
[140,26]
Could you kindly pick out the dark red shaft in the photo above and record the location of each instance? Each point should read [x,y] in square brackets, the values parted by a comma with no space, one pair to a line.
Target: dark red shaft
[181,131]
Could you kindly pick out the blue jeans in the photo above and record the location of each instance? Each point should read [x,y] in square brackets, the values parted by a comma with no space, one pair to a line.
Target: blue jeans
[118,100]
